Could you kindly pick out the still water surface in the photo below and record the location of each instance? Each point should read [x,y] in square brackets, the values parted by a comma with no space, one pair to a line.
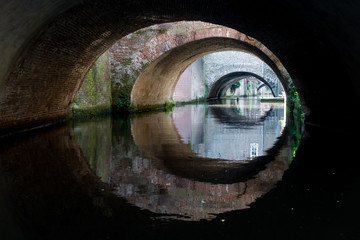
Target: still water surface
[225,169]
[193,162]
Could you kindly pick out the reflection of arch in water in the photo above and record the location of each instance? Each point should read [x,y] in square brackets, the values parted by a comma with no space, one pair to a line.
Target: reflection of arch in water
[157,138]
[49,176]
[178,177]
[229,116]
[220,87]
[165,193]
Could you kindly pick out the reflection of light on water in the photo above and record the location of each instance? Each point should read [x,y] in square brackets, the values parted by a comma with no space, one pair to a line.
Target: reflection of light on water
[282,123]
[226,131]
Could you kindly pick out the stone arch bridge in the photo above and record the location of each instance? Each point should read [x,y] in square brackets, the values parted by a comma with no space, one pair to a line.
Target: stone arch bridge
[220,86]
[129,56]
[222,69]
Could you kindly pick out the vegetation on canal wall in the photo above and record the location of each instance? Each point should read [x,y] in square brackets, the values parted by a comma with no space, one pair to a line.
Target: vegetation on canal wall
[94,97]
[296,118]
[121,90]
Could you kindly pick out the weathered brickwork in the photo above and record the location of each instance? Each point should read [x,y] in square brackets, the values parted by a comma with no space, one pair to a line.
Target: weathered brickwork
[126,59]
[42,84]
[60,40]
[94,95]
[50,67]
[155,84]
[131,55]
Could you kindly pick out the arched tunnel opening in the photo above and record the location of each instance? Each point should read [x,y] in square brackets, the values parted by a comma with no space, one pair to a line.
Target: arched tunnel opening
[226,82]
[154,86]
[227,73]
[74,163]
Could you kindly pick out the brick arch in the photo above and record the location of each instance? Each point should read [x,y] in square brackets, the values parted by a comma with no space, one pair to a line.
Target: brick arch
[223,84]
[131,54]
[155,84]
[51,69]
[51,65]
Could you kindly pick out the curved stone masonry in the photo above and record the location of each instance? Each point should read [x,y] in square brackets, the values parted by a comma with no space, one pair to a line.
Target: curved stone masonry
[154,85]
[219,64]
[132,54]
[221,86]
[41,87]
[129,56]
[48,50]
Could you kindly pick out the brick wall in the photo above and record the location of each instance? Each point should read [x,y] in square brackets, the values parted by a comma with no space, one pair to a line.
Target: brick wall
[132,54]
[94,94]
[46,71]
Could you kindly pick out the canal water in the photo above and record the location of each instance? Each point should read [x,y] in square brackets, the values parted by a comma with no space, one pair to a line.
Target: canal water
[190,163]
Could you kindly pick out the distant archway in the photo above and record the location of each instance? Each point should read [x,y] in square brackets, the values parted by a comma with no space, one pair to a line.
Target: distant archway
[222,85]
[155,84]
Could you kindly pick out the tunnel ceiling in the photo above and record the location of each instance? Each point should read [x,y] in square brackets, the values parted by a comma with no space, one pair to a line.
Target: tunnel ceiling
[48,46]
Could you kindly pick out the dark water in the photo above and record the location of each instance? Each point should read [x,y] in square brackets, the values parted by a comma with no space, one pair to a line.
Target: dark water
[193,162]
[149,173]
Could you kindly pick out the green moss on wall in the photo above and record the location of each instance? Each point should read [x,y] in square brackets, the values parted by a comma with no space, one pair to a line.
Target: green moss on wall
[94,95]
[103,87]
[296,118]
[90,112]
[121,89]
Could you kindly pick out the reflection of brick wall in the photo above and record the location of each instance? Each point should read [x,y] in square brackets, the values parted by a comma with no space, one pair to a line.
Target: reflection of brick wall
[149,188]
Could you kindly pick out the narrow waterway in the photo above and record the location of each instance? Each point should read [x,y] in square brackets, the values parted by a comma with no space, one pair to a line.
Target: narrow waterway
[191,162]
[188,163]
